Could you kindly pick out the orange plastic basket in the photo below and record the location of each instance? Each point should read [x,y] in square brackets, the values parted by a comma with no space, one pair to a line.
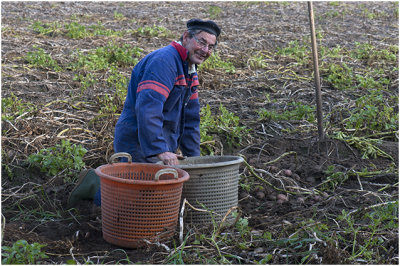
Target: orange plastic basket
[139,201]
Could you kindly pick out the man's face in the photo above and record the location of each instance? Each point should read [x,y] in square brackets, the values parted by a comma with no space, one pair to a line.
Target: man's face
[199,46]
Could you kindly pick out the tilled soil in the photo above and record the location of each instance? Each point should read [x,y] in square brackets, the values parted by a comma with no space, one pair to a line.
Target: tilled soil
[247,29]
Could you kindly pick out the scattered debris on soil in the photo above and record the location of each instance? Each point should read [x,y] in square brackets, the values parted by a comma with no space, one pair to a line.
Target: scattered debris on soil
[288,208]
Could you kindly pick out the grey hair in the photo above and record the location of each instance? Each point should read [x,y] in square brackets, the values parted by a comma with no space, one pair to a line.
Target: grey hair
[193,33]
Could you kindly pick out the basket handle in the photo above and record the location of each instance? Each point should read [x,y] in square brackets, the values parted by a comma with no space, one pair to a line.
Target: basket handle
[120,154]
[166,171]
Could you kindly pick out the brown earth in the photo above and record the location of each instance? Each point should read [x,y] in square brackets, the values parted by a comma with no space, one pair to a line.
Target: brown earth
[248,29]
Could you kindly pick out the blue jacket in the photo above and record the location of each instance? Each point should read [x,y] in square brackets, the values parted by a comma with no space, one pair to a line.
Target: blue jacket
[161,111]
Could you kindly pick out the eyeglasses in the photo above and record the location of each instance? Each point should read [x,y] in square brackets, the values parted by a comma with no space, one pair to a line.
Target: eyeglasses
[203,44]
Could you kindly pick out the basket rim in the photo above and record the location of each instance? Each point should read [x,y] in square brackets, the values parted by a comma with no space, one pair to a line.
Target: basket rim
[182,179]
[235,160]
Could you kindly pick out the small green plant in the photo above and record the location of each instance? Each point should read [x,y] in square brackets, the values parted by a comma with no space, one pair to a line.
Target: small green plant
[5,165]
[40,58]
[246,186]
[12,107]
[381,217]
[99,30]
[366,51]
[86,81]
[340,76]
[367,81]
[64,156]
[366,145]
[298,111]
[214,11]
[332,13]
[333,180]
[215,62]
[369,15]
[206,125]
[153,31]
[373,112]
[111,104]
[300,53]
[37,214]
[257,62]
[76,30]
[104,57]
[50,29]
[242,225]
[225,126]
[335,52]
[22,253]
[177,257]
[119,16]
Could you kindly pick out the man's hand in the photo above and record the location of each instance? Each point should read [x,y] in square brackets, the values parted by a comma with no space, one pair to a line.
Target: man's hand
[169,158]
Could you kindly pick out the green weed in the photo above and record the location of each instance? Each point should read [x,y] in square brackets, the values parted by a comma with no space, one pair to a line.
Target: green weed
[22,252]
[246,186]
[86,81]
[371,15]
[111,104]
[5,165]
[366,51]
[104,57]
[298,111]
[153,31]
[12,107]
[214,11]
[340,76]
[366,145]
[396,9]
[185,254]
[381,217]
[41,59]
[178,255]
[300,53]
[64,156]
[333,180]
[99,30]
[35,213]
[225,126]
[331,53]
[118,16]
[215,62]
[332,14]
[343,77]
[369,82]
[49,29]
[300,246]
[373,112]
[257,62]
[76,30]
[242,225]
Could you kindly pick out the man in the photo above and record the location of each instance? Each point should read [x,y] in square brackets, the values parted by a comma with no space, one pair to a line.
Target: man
[161,112]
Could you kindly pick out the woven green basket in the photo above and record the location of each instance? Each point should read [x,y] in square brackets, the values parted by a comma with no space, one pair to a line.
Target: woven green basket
[213,185]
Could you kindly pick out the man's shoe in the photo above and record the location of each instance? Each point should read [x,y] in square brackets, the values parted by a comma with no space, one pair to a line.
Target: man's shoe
[85,189]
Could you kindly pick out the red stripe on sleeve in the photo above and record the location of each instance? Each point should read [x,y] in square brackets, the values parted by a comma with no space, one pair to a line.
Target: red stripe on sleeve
[155,86]
[180,81]
[194,96]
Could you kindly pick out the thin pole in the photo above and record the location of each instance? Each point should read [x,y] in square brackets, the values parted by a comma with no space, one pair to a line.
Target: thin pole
[316,73]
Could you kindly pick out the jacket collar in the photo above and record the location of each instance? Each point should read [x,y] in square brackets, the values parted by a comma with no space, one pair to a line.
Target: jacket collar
[183,52]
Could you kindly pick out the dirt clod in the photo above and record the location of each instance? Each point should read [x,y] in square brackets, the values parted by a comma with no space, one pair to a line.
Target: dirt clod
[267,69]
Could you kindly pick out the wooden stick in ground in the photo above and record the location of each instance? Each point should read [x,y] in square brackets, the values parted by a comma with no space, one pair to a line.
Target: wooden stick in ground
[316,73]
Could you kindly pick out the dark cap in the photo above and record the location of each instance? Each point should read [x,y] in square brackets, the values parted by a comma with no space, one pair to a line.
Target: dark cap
[208,26]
